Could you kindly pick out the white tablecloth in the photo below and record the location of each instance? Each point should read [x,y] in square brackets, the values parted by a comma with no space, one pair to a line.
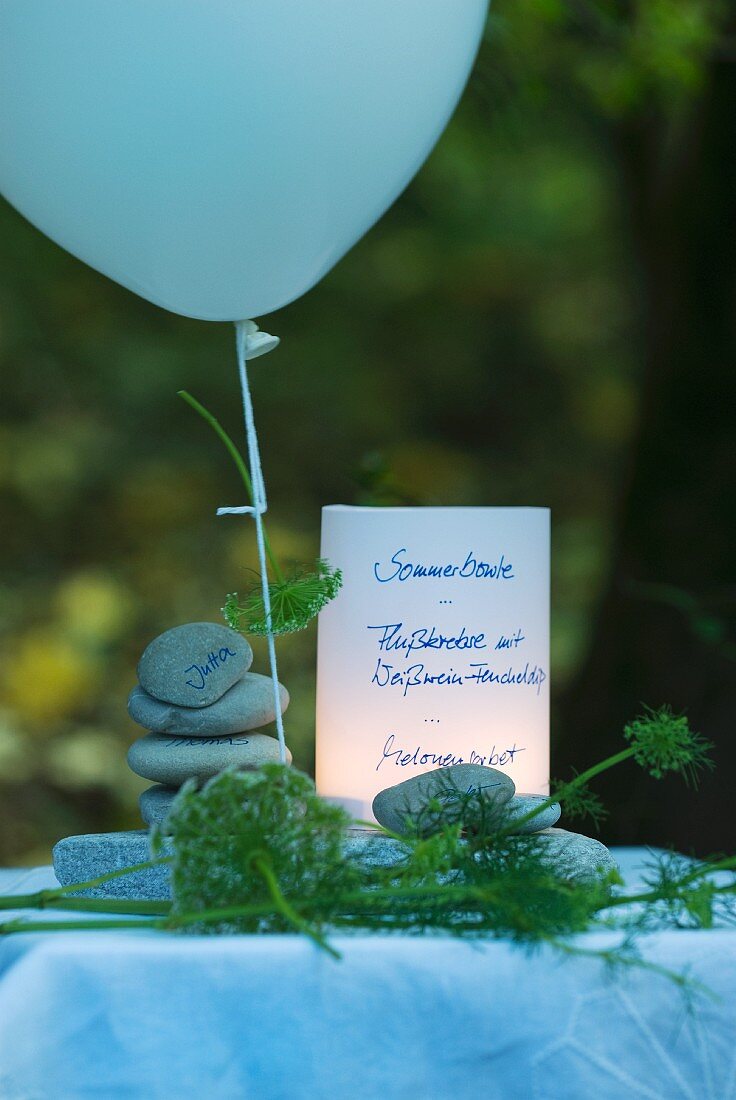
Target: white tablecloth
[145,1016]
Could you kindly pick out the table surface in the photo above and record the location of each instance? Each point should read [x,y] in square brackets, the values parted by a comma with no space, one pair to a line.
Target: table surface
[149,1016]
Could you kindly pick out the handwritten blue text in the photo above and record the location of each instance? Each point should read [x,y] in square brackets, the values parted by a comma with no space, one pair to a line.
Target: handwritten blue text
[398,569]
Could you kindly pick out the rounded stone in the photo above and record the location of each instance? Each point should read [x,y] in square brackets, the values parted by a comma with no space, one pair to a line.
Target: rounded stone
[248,705]
[195,664]
[172,760]
[521,804]
[396,805]
[155,803]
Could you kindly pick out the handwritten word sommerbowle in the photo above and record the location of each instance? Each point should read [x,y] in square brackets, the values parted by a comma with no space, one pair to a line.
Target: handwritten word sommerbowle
[399,569]
[405,758]
[201,672]
[391,639]
[417,675]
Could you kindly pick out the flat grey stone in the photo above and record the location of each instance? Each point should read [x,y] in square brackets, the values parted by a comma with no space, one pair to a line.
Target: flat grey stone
[195,664]
[371,848]
[81,858]
[155,803]
[572,855]
[521,804]
[170,760]
[248,705]
[392,806]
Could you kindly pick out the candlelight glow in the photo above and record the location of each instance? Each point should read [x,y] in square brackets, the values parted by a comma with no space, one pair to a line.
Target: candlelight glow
[436,651]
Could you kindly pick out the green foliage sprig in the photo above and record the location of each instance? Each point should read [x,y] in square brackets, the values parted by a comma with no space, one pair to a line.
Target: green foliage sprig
[297,597]
[295,601]
[263,836]
[659,741]
[260,852]
[663,742]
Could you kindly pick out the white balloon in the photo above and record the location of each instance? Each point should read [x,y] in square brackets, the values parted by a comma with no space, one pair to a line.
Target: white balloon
[218,157]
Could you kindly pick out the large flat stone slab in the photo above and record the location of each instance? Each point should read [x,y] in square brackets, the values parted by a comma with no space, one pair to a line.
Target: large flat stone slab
[80,858]
[576,857]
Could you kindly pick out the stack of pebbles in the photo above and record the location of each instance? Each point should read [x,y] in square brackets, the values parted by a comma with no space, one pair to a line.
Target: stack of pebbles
[200,705]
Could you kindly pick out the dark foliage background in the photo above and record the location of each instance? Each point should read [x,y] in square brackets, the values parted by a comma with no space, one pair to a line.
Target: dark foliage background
[545,317]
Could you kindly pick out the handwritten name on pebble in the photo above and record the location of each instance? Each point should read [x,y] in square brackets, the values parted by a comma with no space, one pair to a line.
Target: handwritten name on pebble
[201,672]
[480,673]
[454,795]
[399,569]
[204,742]
[405,758]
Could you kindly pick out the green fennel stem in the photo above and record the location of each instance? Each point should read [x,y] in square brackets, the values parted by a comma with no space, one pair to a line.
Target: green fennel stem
[57,897]
[655,895]
[13,927]
[291,914]
[686,880]
[575,951]
[240,464]
[578,781]
[449,895]
[356,902]
[86,905]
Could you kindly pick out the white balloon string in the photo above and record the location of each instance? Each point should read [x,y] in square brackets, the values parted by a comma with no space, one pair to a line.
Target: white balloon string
[244,330]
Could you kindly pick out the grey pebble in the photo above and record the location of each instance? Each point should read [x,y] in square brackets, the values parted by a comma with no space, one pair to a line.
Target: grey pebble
[172,760]
[155,803]
[393,806]
[195,664]
[247,705]
[521,804]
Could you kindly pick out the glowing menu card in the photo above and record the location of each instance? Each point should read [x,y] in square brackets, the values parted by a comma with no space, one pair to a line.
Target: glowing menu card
[436,650]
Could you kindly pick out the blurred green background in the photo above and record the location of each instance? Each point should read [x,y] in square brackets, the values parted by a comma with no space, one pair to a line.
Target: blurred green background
[545,317]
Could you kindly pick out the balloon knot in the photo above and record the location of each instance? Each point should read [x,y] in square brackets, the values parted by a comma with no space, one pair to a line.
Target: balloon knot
[255,342]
